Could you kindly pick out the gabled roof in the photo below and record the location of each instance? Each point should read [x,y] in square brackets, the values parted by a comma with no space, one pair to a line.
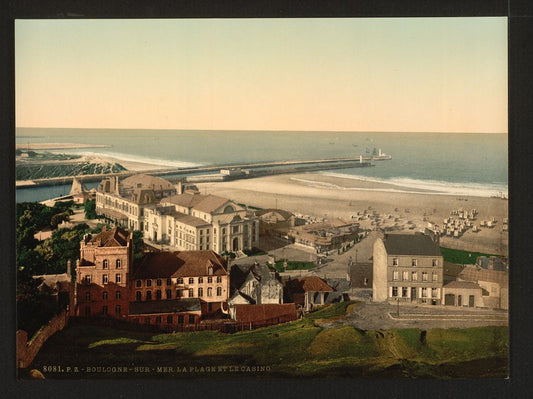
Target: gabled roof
[306,284]
[179,264]
[284,214]
[167,306]
[241,273]
[116,237]
[411,244]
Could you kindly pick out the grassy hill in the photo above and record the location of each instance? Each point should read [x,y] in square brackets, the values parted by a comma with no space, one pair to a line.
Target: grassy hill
[298,348]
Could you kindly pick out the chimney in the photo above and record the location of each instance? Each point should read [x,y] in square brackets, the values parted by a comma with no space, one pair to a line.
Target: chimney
[180,187]
[116,185]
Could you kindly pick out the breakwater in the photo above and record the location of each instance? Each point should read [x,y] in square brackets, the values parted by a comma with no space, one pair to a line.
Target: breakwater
[247,170]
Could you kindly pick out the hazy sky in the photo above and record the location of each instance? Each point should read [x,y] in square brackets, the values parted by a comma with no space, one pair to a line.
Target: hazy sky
[413,74]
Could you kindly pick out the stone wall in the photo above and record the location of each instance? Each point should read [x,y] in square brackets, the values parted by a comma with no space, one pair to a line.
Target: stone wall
[26,351]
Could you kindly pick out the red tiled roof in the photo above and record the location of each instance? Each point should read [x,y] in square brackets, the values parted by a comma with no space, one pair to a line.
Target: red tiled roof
[264,312]
[179,264]
[306,284]
[116,237]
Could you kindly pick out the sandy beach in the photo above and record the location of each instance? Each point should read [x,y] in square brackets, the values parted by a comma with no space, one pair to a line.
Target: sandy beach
[328,197]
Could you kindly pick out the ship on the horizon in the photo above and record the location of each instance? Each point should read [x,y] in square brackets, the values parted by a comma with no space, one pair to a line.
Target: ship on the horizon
[377,155]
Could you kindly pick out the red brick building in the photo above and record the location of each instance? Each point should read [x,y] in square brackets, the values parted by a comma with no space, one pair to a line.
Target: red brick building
[102,274]
[169,289]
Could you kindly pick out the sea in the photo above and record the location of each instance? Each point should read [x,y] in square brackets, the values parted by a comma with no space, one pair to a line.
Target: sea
[450,163]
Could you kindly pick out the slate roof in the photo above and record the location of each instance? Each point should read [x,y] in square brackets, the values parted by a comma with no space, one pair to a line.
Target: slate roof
[411,244]
[179,264]
[264,312]
[462,284]
[204,203]
[239,273]
[116,237]
[147,181]
[189,220]
[165,306]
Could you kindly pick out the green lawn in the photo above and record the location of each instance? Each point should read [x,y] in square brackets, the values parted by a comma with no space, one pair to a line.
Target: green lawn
[299,348]
[461,257]
[294,265]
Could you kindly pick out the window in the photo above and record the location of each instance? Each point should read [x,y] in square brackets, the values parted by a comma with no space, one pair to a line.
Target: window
[424,292]
[210,279]
[148,295]
[210,291]
[138,296]
[191,292]
[104,295]
[170,319]
[158,282]
[200,280]
[117,309]
[405,276]
[414,276]
[146,320]
[219,279]
[394,291]
[395,275]
[404,292]
[87,296]
[191,280]
[138,283]
[104,310]
[105,264]
[158,320]
[394,261]
[88,279]
[158,294]
[433,292]
[148,283]
[424,276]
[200,292]
[169,294]
[118,264]
[180,280]
[169,281]
[413,262]
[435,262]
[210,270]
[219,291]
[117,278]
[117,294]
[191,318]
[180,319]
[435,277]
[104,278]
[179,293]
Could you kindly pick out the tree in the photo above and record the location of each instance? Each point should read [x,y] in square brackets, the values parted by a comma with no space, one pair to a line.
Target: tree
[138,245]
[90,209]
[58,218]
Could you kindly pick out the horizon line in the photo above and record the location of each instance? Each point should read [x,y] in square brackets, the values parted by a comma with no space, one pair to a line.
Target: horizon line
[260,130]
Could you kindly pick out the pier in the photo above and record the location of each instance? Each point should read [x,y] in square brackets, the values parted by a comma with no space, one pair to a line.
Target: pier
[214,172]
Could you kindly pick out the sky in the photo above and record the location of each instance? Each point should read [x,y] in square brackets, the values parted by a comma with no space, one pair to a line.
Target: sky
[347,74]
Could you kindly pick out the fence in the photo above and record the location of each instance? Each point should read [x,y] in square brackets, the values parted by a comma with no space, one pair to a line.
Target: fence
[26,351]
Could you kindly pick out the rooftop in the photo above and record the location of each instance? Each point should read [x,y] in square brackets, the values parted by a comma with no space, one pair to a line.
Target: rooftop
[179,264]
[306,284]
[142,180]
[168,306]
[204,203]
[263,312]
[411,244]
[116,237]
[462,284]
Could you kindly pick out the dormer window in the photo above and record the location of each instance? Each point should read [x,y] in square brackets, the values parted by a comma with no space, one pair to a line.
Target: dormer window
[210,270]
[435,262]
[394,261]
[413,262]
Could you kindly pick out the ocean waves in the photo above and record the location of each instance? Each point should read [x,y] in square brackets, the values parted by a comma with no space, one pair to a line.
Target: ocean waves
[403,184]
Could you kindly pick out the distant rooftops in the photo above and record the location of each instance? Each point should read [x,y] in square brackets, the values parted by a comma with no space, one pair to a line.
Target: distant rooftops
[411,244]
[204,203]
[147,182]
[180,264]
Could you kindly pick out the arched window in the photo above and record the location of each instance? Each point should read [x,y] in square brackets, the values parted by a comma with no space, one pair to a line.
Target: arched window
[105,264]
[158,294]
[200,292]
[169,294]
[118,264]
[138,296]
[219,291]
[148,295]
[229,209]
[210,291]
